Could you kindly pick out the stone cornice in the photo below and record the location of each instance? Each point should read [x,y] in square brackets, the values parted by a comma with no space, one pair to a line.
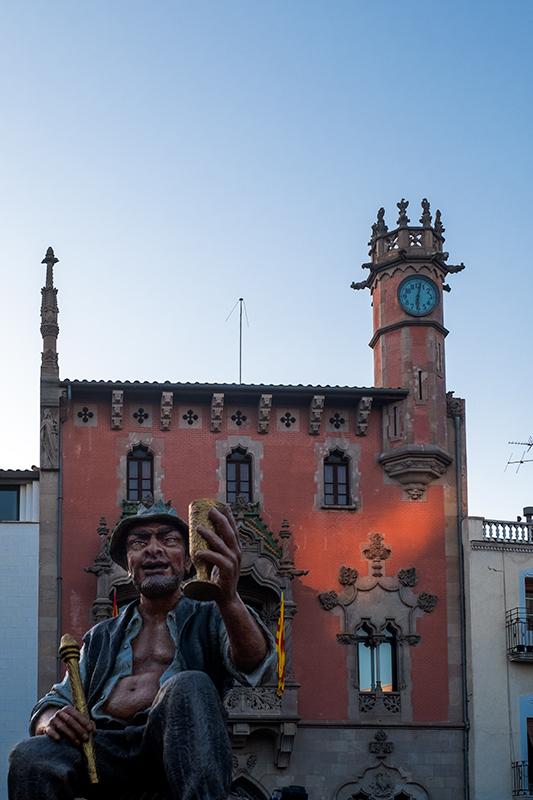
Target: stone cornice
[408,323]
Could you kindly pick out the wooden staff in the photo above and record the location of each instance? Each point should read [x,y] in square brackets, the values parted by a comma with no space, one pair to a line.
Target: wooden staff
[70,653]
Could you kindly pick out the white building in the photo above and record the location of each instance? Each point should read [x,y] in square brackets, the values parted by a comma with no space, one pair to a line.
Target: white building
[19,575]
[499,599]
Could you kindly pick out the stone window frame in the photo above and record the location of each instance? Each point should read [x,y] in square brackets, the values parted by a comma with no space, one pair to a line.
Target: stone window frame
[224,448]
[352,451]
[147,457]
[125,445]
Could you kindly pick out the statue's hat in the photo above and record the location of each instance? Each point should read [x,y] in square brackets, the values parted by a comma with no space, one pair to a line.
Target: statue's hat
[156,513]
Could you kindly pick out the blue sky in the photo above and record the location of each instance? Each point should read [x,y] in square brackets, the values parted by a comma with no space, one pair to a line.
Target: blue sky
[179,155]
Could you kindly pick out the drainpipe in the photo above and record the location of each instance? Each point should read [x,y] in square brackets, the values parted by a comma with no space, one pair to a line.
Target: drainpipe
[462,605]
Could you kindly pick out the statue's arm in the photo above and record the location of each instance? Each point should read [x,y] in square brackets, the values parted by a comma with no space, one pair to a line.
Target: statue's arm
[249,646]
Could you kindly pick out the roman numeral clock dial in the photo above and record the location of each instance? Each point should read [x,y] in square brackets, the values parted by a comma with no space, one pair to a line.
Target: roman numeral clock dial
[418,295]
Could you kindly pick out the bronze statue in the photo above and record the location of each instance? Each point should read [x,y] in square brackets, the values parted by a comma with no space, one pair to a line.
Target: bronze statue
[154,676]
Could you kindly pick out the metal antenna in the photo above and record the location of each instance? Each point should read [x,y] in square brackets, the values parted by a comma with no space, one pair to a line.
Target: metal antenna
[241,305]
[528,445]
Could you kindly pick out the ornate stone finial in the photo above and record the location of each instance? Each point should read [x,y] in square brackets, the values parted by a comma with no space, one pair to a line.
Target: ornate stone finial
[403,219]
[102,567]
[427,601]
[376,553]
[438,224]
[379,227]
[49,260]
[347,576]
[425,219]
[286,563]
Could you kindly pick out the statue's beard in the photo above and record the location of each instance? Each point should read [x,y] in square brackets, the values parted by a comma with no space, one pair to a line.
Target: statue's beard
[155,586]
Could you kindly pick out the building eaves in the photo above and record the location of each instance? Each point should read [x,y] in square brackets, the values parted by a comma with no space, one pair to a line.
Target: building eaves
[241,392]
[18,475]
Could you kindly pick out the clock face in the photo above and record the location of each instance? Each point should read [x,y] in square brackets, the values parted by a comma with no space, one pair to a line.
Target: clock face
[418,295]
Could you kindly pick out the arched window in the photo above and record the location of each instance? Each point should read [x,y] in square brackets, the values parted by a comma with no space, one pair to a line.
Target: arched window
[376,659]
[140,473]
[239,475]
[337,479]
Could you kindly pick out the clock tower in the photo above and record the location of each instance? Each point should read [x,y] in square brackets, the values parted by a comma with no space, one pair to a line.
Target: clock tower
[407,277]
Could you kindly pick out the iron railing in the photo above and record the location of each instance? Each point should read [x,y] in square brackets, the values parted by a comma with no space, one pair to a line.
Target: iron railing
[521,785]
[519,625]
[503,531]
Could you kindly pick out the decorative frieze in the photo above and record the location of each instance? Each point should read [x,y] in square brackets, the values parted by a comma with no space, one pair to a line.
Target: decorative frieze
[363,412]
[264,410]
[217,407]
[316,409]
[117,409]
[167,400]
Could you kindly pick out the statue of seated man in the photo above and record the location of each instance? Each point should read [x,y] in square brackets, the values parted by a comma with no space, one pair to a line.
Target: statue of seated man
[154,676]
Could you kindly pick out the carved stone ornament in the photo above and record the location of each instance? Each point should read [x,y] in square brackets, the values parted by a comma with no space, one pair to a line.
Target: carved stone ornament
[49,358]
[438,227]
[382,786]
[117,409]
[363,412]
[427,602]
[328,600]
[167,399]
[415,466]
[425,219]
[403,219]
[264,411]
[381,747]
[377,552]
[217,407]
[244,699]
[415,491]
[347,576]
[454,406]
[381,782]
[316,409]
[407,577]
[49,441]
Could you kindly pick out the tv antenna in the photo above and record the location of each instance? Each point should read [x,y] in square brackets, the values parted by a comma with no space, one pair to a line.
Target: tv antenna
[528,445]
[242,305]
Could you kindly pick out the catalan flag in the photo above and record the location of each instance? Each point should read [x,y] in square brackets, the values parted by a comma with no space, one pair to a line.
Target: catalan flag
[115,606]
[280,648]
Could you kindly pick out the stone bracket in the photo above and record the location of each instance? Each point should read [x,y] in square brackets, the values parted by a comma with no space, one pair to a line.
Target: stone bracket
[363,412]
[167,399]
[117,409]
[415,466]
[316,409]
[263,415]
[217,407]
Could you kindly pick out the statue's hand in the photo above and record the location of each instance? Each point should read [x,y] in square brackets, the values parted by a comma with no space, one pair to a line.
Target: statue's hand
[66,721]
[225,552]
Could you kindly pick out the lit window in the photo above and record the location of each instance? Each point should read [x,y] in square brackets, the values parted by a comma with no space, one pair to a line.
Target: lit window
[239,475]
[140,473]
[376,659]
[336,479]
[9,503]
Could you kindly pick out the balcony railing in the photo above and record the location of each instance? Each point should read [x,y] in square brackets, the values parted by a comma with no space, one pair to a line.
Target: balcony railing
[503,531]
[519,624]
[521,784]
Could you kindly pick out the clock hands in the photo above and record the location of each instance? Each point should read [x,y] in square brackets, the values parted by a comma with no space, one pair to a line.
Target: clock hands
[418,297]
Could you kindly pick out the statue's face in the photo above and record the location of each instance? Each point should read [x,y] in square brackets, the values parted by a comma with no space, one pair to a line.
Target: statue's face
[157,558]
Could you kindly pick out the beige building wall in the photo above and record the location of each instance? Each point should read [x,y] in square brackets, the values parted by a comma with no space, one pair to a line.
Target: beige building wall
[501,691]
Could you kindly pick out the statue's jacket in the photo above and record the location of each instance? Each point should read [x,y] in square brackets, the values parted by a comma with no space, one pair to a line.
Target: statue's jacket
[201,644]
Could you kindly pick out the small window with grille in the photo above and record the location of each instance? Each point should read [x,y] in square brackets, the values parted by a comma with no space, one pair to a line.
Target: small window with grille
[239,475]
[336,479]
[140,473]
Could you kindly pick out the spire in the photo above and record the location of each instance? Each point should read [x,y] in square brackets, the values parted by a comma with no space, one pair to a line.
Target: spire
[49,316]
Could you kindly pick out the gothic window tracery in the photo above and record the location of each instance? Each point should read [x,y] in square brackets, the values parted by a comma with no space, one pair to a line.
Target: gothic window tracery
[336,479]
[239,475]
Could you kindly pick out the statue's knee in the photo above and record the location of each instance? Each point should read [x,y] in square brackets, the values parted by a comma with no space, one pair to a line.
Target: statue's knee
[189,682]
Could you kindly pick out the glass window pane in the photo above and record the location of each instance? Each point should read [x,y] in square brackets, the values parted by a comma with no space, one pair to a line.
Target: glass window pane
[146,485]
[328,473]
[329,500]
[231,472]
[385,666]
[342,500]
[133,494]
[341,474]
[132,469]
[245,472]
[231,497]
[365,655]
[9,503]
[147,469]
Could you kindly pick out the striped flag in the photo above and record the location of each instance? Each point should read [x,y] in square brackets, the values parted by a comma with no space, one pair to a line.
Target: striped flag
[280,648]
[115,607]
